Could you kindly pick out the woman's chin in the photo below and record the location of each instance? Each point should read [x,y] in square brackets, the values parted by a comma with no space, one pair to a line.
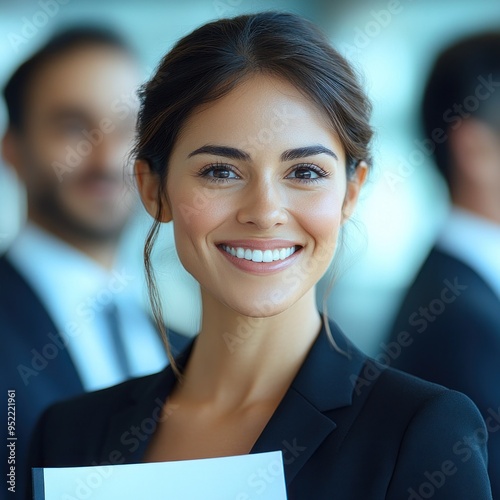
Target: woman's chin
[260,308]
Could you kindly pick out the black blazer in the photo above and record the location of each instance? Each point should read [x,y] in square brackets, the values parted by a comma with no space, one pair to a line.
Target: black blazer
[348,429]
[458,343]
[34,362]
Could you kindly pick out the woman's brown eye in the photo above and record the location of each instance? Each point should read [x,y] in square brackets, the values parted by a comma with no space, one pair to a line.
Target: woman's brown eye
[307,173]
[304,173]
[218,173]
[222,173]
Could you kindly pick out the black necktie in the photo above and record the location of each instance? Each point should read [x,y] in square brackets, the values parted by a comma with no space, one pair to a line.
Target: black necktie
[112,317]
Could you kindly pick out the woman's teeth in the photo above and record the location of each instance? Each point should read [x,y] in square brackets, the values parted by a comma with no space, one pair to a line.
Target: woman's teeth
[260,255]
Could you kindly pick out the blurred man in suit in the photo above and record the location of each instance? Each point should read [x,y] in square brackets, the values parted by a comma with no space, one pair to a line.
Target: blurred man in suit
[450,317]
[69,321]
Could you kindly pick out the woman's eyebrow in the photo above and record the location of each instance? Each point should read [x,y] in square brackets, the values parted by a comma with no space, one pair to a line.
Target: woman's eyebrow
[294,154]
[238,154]
[228,152]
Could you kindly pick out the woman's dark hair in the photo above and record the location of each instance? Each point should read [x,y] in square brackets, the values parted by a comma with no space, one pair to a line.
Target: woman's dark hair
[212,60]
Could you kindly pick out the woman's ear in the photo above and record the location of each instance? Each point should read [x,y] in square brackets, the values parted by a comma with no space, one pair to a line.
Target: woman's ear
[354,185]
[149,190]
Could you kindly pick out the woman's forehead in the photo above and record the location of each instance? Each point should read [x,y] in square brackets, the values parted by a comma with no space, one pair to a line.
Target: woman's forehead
[263,112]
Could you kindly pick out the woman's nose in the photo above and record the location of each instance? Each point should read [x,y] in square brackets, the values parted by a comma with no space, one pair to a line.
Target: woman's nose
[262,205]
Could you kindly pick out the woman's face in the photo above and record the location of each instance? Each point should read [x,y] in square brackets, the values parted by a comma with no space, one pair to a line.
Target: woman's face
[257,191]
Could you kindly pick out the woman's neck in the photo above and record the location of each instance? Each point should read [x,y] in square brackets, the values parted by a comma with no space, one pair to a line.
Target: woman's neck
[239,361]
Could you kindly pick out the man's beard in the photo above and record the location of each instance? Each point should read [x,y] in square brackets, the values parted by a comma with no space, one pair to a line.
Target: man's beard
[48,205]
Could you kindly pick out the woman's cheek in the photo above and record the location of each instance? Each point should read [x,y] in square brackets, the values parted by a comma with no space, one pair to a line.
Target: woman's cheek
[321,215]
[196,212]
[321,220]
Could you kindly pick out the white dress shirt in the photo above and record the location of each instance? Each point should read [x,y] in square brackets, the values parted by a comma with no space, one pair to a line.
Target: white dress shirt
[76,290]
[475,241]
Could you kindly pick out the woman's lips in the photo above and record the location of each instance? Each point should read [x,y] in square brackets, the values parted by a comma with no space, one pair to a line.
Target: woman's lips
[260,257]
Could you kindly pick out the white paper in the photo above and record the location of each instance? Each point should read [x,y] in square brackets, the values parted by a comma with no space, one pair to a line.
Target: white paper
[242,477]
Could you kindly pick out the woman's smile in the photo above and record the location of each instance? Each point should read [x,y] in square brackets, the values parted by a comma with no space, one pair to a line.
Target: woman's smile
[260,256]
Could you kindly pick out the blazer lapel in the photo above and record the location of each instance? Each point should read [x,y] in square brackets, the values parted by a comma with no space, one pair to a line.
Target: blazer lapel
[297,428]
[299,425]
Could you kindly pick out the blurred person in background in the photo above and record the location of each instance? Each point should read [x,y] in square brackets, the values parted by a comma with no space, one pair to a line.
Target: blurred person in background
[450,317]
[69,321]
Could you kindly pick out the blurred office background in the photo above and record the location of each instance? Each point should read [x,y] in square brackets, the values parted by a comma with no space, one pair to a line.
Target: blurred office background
[391,42]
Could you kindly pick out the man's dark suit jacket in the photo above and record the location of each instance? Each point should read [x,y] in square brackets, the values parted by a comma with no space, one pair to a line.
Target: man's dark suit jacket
[348,430]
[453,319]
[34,362]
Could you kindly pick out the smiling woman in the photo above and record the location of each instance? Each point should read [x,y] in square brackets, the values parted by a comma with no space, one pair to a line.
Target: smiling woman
[265,119]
